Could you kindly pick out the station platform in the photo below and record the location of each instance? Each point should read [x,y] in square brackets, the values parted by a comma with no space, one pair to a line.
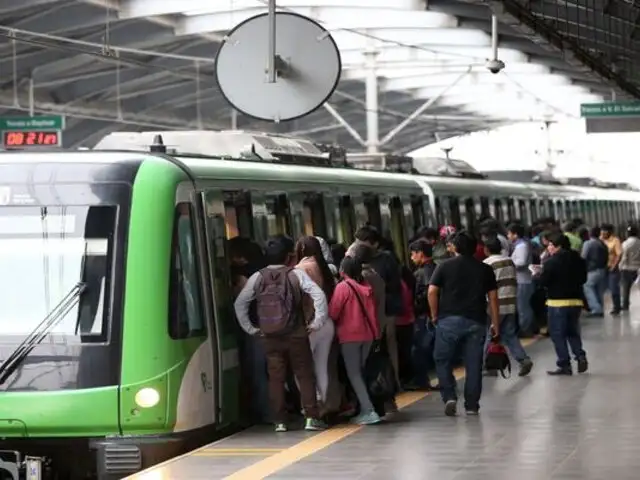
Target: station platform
[539,427]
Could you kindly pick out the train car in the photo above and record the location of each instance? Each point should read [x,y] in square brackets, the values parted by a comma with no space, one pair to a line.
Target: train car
[118,344]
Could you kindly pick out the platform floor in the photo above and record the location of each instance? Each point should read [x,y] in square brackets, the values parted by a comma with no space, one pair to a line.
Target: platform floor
[583,427]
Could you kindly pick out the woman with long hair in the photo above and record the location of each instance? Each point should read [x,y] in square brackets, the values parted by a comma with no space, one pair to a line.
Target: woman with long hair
[310,259]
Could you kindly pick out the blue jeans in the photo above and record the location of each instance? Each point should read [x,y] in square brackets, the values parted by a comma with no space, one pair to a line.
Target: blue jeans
[613,279]
[460,334]
[422,351]
[509,338]
[594,290]
[564,328]
[526,317]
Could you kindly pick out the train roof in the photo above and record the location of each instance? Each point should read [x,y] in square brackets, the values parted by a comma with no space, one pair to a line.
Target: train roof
[247,169]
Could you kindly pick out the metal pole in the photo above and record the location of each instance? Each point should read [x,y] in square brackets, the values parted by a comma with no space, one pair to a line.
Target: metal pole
[371,101]
[354,133]
[418,111]
[234,119]
[271,61]
[494,37]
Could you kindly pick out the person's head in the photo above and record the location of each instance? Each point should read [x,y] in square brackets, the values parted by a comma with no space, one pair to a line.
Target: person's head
[369,235]
[446,231]
[363,253]
[464,244]
[492,245]
[237,248]
[595,232]
[428,234]
[421,252]
[352,268]
[338,251]
[558,241]
[569,227]
[308,246]
[279,250]
[606,230]
[632,231]
[515,231]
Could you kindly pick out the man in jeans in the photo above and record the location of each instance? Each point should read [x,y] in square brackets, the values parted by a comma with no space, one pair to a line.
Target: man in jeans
[458,291]
[563,276]
[596,255]
[291,347]
[505,272]
[522,256]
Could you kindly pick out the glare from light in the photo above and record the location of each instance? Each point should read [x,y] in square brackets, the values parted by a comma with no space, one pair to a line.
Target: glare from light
[147,397]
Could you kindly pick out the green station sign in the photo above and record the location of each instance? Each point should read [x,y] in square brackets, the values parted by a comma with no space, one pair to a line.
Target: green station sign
[610,109]
[23,124]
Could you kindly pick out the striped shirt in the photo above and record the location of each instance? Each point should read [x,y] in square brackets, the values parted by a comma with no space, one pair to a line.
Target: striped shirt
[505,272]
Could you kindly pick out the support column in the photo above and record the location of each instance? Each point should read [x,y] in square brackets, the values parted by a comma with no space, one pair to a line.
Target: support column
[371,100]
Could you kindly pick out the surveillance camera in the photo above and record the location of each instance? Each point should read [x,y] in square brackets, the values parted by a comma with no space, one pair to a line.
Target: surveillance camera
[495,66]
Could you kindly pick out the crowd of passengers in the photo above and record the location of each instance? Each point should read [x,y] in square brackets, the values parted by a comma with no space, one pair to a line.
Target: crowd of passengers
[311,311]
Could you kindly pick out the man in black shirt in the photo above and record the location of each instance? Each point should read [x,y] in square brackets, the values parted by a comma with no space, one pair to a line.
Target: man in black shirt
[458,292]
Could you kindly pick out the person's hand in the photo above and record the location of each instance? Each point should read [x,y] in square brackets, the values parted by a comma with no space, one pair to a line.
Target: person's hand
[494,331]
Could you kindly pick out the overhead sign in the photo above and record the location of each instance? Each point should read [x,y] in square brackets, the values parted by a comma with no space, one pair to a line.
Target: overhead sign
[610,109]
[53,122]
[31,132]
[611,117]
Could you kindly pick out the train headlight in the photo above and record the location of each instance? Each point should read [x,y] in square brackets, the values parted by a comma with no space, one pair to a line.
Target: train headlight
[147,398]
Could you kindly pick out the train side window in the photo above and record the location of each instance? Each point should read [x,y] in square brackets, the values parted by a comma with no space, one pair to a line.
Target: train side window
[186,317]
[484,207]
[511,210]
[470,214]
[522,209]
[418,212]
[278,215]
[347,220]
[440,217]
[499,212]
[372,204]
[398,230]
[313,214]
[533,208]
[238,214]
[454,206]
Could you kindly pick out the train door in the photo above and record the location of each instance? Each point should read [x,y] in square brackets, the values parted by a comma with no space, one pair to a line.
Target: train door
[226,378]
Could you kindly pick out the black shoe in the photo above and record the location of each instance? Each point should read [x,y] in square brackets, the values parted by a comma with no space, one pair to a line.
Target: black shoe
[560,371]
[471,412]
[525,367]
[583,364]
[615,312]
[490,373]
[595,315]
[451,408]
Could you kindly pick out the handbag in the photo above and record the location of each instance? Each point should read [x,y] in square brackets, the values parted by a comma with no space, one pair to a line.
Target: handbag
[497,359]
[379,375]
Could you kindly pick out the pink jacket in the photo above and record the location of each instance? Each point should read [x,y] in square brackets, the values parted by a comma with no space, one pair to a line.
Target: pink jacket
[352,323]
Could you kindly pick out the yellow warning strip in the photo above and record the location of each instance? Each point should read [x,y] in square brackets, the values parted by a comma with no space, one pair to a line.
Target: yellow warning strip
[291,455]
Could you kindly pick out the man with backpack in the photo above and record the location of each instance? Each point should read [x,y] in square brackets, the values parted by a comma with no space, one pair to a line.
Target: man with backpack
[277,291]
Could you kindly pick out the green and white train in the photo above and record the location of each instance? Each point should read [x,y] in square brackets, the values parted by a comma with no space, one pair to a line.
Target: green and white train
[118,344]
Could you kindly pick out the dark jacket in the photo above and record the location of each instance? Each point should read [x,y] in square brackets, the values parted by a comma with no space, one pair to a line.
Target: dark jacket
[420,302]
[388,268]
[563,275]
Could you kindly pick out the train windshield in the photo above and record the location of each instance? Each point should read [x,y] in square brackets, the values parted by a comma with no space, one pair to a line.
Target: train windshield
[44,252]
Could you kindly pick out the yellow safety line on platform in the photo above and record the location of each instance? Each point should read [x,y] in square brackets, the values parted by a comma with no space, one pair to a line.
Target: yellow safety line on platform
[297,452]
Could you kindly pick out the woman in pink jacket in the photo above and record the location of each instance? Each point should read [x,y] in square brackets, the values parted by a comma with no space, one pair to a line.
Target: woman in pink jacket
[353,310]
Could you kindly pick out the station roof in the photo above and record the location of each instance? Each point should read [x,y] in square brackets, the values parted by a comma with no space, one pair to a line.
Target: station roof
[140,64]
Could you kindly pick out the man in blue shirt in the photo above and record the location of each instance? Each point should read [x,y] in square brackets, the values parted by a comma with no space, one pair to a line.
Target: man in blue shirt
[596,255]
[522,257]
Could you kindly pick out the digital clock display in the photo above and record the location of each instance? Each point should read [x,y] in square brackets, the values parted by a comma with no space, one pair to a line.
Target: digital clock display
[35,138]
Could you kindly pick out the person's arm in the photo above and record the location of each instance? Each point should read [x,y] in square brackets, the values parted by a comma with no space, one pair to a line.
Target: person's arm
[494,311]
[433,293]
[625,253]
[433,296]
[491,287]
[520,256]
[585,249]
[242,303]
[617,252]
[320,306]
[547,273]
[337,302]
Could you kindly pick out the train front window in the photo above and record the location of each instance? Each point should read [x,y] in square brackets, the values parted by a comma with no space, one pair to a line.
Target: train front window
[44,252]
